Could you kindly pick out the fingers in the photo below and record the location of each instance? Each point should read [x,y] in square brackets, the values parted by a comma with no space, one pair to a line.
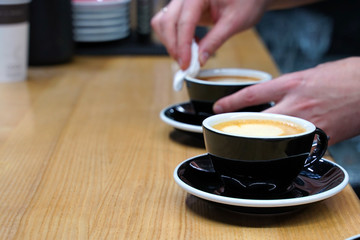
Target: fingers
[164,24]
[281,108]
[229,18]
[176,27]
[187,22]
[213,40]
[273,90]
[227,23]
[222,30]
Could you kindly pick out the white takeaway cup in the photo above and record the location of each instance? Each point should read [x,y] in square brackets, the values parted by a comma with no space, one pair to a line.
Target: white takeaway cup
[14,37]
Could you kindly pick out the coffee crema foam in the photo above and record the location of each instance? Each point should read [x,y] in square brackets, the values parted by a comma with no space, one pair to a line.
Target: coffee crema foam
[260,128]
[225,78]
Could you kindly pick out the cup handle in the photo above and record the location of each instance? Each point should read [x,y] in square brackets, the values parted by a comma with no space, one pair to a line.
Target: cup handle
[321,145]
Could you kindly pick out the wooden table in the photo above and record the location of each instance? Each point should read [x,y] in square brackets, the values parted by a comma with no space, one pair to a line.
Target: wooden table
[84,155]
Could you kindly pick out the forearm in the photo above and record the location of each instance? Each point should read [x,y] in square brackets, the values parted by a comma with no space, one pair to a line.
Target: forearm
[281,4]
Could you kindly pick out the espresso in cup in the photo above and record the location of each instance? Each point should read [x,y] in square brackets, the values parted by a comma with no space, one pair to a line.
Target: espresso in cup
[260,154]
[230,79]
[212,84]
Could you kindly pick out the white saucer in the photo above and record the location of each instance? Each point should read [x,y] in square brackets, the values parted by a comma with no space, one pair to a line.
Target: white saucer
[101,22]
[165,116]
[101,30]
[101,37]
[101,15]
[93,6]
[100,3]
[113,8]
[326,168]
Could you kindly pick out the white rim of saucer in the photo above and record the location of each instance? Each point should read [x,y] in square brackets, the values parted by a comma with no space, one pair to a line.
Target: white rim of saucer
[101,22]
[264,76]
[101,37]
[179,125]
[84,16]
[257,202]
[100,3]
[101,29]
[355,237]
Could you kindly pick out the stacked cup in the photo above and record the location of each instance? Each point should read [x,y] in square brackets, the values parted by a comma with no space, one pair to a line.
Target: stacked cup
[101,20]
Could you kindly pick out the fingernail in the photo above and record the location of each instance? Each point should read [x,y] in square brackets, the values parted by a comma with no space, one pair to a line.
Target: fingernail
[218,109]
[204,57]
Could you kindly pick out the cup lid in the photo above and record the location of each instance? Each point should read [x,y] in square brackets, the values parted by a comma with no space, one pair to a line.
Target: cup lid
[13,2]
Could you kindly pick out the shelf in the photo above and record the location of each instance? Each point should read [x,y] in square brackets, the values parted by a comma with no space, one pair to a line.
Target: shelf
[132,45]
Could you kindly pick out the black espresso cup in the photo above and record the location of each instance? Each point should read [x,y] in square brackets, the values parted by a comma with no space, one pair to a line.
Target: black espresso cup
[260,154]
[212,84]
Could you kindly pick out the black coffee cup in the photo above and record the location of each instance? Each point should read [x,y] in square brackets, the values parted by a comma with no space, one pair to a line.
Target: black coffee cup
[260,158]
[212,84]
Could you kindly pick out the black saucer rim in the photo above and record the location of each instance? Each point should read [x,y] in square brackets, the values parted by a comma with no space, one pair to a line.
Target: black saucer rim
[183,125]
[194,114]
[261,203]
[186,127]
[172,107]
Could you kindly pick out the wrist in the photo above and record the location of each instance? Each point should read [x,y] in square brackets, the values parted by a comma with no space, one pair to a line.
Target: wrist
[282,4]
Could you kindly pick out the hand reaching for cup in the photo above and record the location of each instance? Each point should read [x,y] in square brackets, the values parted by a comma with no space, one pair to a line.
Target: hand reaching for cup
[327,95]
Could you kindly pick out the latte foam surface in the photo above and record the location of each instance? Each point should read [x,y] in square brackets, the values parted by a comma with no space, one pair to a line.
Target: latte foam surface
[259,128]
[254,130]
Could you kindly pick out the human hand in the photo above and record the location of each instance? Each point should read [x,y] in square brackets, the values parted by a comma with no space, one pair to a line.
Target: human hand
[175,27]
[327,95]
